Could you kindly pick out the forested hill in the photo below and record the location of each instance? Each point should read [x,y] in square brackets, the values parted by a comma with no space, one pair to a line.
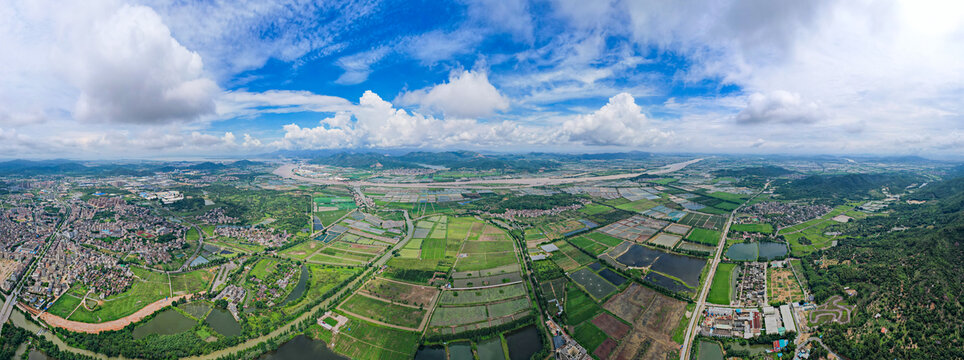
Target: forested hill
[755,171]
[912,278]
[456,160]
[851,186]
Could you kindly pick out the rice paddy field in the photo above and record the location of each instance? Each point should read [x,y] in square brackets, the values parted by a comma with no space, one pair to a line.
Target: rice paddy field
[360,339]
[384,311]
[704,236]
[757,228]
[722,287]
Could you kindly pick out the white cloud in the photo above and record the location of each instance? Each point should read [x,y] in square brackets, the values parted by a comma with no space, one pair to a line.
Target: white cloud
[467,94]
[358,66]
[779,107]
[620,122]
[97,61]
[243,103]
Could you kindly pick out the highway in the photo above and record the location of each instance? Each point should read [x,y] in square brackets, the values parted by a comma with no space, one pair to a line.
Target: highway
[11,302]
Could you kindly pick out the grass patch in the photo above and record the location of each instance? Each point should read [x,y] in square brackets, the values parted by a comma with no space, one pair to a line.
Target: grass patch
[704,236]
[720,288]
[757,228]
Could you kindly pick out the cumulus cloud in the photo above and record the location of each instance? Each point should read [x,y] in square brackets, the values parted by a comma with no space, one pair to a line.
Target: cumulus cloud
[467,94]
[619,122]
[779,107]
[130,69]
[98,61]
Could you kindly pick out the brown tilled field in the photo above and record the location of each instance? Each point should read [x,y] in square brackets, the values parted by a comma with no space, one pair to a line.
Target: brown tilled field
[611,326]
[631,302]
[653,324]
[605,349]
[400,292]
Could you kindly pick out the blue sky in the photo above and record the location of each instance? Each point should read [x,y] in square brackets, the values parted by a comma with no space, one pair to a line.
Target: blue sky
[164,78]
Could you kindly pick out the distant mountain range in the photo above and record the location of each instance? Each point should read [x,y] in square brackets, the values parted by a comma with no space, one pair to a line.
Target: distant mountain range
[467,160]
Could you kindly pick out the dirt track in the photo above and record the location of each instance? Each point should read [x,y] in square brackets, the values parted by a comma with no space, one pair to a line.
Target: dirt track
[118,324]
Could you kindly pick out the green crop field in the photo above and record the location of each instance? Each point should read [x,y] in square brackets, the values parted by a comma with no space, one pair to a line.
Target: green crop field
[638,205]
[757,228]
[704,236]
[383,311]
[263,268]
[594,209]
[589,336]
[587,244]
[735,198]
[330,217]
[433,248]
[321,279]
[482,296]
[366,341]
[579,306]
[509,307]
[302,251]
[481,261]
[604,239]
[447,316]
[192,235]
[720,288]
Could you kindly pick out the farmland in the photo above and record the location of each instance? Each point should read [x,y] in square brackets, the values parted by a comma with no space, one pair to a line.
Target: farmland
[704,236]
[722,287]
[383,311]
[757,228]
[782,286]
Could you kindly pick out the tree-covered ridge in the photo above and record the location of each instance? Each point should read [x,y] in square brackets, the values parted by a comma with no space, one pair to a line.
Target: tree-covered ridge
[754,171]
[846,186]
[912,278]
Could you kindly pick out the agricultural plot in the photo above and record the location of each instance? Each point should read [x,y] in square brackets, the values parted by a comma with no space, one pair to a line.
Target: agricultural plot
[383,311]
[579,306]
[302,251]
[704,236]
[450,316]
[636,229]
[809,236]
[589,336]
[711,222]
[757,228]
[366,341]
[594,284]
[654,318]
[333,203]
[508,307]
[402,293]
[721,290]
[482,296]
[638,205]
[678,229]
[506,278]
[782,286]
[665,240]
[686,245]
[321,279]
[554,289]
[588,245]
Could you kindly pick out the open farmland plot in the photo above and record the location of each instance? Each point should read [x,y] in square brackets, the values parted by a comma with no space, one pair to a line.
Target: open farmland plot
[722,287]
[554,289]
[613,327]
[506,278]
[332,260]
[383,311]
[363,340]
[757,228]
[578,256]
[678,229]
[630,303]
[302,251]
[653,327]
[482,296]
[508,307]
[588,245]
[598,287]
[637,228]
[704,236]
[665,240]
[589,336]
[403,293]
[690,246]
[711,222]
[579,306]
[451,316]
[505,269]
[782,286]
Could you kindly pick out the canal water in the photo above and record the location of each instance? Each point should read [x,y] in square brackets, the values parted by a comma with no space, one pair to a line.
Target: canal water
[302,347]
[167,322]
[300,288]
[430,353]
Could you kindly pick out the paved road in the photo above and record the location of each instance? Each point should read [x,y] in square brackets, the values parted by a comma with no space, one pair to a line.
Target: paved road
[823,345]
[11,302]
[701,301]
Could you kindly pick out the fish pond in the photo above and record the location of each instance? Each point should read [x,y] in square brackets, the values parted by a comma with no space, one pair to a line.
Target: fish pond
[167,322]
[754,251]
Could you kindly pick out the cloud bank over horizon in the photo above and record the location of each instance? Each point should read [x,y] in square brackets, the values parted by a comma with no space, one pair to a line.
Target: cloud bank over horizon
[156,78]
